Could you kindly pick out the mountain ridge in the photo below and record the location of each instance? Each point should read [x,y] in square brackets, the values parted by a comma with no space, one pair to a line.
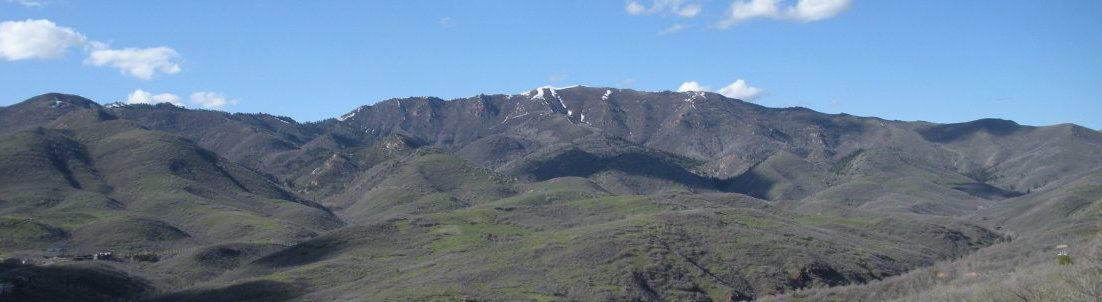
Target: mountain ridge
[652,195]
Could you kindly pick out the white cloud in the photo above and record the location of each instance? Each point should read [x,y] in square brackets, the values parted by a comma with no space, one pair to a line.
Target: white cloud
[692,86]
[802,11]
[739,90]
[28,3]
[211,100]
[204,99]
[676,7]
[142,97]
[672,29]
[815,10]
[36,39]
[141,63]
[742,10]
[43,39]
[446,22]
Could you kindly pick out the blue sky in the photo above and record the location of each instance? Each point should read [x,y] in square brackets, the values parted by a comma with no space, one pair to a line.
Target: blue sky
[1035,62]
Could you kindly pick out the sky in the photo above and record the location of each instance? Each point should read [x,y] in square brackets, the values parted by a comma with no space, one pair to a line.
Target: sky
[1035,62]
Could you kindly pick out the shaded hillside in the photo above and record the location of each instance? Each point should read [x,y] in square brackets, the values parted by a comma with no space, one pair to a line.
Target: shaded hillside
[112,184]
[256,140]
[77,282]
[1022,267]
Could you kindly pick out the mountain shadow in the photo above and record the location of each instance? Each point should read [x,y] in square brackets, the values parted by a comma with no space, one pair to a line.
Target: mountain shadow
[951,132]
[985,191]
[643,164]
[83,282]
[580,163]
[259,290]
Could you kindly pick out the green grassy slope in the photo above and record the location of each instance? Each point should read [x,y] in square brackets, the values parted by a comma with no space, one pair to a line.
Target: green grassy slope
[619,247]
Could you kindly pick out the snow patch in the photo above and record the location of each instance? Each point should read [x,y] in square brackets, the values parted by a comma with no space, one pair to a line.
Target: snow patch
[557,88]
[114,105]
[507,117]
[693,96]
[570,113]
[607,94]
[552,89]
[583,117]
[539,94]
[350,114]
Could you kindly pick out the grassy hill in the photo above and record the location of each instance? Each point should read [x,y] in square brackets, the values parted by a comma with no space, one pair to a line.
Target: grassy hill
[672,247]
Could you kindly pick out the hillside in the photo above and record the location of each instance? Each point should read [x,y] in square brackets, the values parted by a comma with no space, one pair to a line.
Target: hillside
[552,194]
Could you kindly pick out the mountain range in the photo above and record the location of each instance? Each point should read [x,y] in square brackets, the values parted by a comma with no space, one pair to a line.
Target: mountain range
[576,193]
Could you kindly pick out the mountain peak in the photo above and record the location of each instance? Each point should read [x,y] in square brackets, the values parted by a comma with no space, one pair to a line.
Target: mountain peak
[39,110]
[59,100]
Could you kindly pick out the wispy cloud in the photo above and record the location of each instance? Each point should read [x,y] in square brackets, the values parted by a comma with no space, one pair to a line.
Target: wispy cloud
[689,10]
[36,39]
[676,7]
[142,63]
[673,28]
[445,22]
[803,11]
[634,8]
[557,77]
[28,3]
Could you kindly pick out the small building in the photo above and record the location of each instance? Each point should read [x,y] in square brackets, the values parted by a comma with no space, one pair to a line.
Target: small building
[103,256]
[1062,257]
